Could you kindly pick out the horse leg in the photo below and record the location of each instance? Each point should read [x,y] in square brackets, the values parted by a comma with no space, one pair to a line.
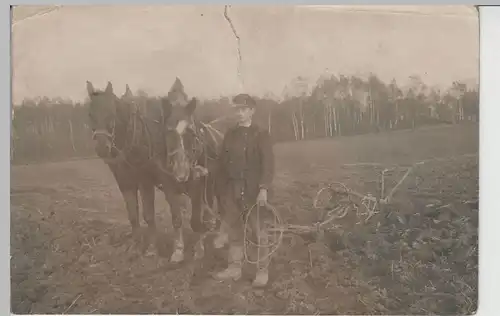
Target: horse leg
[174,200]
[147,190]
[196,193]
[128,187]
[209,194]
[196,196]
[131,203]
[222,237]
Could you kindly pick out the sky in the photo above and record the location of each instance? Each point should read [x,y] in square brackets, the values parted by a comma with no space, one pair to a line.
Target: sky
[56,50]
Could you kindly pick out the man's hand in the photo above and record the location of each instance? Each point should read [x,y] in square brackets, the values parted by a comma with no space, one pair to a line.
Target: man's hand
[262,197]
[200,171]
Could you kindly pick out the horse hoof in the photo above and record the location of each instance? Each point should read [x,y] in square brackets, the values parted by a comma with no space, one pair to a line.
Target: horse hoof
[177,257]
[150,253]
[199,254]
[199,251]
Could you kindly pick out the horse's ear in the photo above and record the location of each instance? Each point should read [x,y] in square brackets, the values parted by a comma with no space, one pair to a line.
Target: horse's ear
[109,88]
[128,92]
[191,106]
[90,88]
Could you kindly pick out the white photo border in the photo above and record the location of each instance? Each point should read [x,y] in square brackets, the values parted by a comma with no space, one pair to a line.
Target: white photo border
[489,227]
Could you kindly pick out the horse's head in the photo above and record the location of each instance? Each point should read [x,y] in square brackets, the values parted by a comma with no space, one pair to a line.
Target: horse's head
[102,114]
[180,137]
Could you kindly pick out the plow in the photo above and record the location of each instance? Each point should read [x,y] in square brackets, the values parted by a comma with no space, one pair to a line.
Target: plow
[333,202]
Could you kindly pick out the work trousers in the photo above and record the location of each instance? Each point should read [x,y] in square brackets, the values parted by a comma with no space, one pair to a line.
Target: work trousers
[235,207]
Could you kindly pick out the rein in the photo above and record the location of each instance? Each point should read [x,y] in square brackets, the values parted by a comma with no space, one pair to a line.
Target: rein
[205,146]
[200,151]
[123,153]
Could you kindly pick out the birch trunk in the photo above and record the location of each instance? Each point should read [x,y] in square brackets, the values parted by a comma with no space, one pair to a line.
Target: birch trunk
[354,118]
[295,127]
[268,122]
[377,111]
[302,132]
[325,112]
[335,120]
[330,120]
[71,136]
[461,109]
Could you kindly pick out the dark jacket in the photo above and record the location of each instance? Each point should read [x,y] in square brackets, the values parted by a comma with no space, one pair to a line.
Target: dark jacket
[246,162]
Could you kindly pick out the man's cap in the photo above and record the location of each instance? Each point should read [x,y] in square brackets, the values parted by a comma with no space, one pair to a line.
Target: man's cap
[243,100]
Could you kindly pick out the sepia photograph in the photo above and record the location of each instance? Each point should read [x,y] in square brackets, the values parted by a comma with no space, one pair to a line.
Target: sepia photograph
[244,159]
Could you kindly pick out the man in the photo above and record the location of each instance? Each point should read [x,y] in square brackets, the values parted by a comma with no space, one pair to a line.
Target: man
[246,166]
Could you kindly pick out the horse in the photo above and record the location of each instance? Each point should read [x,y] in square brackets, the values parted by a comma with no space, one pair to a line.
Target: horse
[144,153]
[118,144]
[192,151]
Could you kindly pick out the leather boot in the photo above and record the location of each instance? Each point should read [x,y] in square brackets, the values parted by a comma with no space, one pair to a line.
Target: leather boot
[221,240]
[261,278]
[222,237]
[233,271]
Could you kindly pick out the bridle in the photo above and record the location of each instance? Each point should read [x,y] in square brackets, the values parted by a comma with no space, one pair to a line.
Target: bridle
[196,148]
[107,133]
[110,133]
[193,154]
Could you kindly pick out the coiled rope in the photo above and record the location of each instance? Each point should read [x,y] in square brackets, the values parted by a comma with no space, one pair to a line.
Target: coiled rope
[277,240]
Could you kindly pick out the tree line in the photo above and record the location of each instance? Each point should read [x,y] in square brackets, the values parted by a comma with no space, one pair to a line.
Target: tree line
[46,129]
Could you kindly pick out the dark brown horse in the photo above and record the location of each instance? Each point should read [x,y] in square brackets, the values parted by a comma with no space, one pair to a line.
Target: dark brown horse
[146,150]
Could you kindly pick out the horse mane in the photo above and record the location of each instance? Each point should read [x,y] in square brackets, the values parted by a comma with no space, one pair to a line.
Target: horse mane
[211,143]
